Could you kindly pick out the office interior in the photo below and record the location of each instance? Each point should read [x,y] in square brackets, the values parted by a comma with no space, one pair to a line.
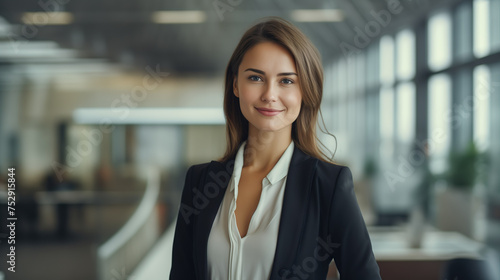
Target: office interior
[105,104]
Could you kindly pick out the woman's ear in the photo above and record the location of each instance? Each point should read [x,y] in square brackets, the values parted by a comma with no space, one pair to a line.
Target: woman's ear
[235,86]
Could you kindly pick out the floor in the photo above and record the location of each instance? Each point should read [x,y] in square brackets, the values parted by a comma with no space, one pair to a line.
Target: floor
[49,258]
[43,255]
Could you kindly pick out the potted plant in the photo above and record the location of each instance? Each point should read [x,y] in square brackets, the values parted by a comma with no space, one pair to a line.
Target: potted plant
[458,205]
[463,168]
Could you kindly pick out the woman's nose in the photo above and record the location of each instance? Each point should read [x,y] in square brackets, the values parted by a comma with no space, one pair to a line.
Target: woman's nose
[269,93]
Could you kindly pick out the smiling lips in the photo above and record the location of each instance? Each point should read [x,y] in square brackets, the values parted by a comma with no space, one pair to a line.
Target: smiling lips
[268,112]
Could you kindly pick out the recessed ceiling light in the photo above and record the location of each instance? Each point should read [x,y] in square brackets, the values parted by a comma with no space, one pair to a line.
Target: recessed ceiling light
[178,17]
[47,18]
[323,15]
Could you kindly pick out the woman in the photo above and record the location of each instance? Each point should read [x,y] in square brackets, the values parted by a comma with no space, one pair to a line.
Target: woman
[274,206]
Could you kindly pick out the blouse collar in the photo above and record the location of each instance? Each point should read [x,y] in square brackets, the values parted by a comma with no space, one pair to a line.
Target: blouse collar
[279,171]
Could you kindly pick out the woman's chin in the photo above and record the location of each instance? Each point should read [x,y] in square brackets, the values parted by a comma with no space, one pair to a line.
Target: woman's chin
[269,128]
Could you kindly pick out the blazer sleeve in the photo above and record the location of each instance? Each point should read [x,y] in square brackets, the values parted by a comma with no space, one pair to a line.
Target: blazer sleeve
[354,256]
[182,251]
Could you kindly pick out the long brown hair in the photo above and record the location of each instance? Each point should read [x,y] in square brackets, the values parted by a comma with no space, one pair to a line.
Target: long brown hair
[310,72]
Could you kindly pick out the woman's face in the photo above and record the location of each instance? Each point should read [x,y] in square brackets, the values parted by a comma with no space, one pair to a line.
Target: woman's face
[268,88]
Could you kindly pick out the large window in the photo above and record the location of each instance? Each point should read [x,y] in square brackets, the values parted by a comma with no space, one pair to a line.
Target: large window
[342,94]
[387,78]
[405,45]
[481,28]
[387,123]
[406,113]
[439,41]
[405,91]
[481,103]
[439,91]
[423,82]
[387,60]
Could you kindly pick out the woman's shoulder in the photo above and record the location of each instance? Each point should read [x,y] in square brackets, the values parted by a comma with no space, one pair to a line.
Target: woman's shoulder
[334,178]
[199,170]
[195,171]
[212,165]
[198,167]
[332,169]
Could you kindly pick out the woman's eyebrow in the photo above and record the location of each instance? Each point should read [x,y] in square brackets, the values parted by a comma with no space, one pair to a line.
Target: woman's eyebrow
[263,73]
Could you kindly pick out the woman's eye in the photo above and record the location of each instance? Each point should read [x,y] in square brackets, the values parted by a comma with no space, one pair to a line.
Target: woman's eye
[255,78]
[287,81]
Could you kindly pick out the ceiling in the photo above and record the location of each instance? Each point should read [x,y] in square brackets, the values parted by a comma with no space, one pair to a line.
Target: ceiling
[122,31]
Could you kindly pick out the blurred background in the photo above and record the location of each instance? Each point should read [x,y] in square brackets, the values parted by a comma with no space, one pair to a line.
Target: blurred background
[105,104]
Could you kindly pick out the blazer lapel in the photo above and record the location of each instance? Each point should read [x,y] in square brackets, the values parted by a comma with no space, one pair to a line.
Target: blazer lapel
[298,188]
[217,178]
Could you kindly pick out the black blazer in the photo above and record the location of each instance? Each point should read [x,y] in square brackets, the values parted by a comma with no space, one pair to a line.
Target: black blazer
[320,220]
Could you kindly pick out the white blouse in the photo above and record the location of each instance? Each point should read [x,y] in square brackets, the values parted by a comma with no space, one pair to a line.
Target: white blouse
[231,257]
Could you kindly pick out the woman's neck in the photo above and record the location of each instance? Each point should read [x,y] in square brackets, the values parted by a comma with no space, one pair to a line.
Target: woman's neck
[264,148]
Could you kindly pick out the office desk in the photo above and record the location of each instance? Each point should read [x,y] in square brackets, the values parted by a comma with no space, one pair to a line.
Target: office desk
[63,200]
[397,260]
